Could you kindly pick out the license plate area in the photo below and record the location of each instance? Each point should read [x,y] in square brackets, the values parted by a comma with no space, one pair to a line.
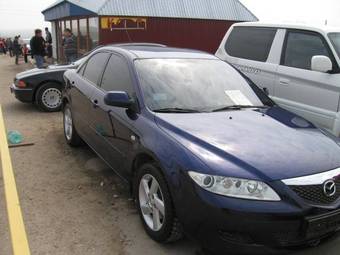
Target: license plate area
[322,225]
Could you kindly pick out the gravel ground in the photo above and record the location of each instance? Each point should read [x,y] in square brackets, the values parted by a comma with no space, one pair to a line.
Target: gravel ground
[72,203]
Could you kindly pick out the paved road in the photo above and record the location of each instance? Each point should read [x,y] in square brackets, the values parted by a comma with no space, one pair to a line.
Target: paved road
[71,202]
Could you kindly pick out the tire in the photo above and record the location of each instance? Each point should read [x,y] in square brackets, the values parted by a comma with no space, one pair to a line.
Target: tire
[70,133]
[168,228]
[48,97]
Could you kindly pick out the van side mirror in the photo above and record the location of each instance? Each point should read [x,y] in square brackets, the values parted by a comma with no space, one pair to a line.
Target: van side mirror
[118,99]
[321,64]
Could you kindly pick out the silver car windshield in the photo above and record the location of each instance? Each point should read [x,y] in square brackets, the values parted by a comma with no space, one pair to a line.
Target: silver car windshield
[196,84]
[335,39]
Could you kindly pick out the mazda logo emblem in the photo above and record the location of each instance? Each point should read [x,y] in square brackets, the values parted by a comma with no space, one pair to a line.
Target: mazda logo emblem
[329,188]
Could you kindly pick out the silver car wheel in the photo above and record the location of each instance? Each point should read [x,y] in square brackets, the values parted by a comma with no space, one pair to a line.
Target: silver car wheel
[68,124]
[51,98]
[151,202]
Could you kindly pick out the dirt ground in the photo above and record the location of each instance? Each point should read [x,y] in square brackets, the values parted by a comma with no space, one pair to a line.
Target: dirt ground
[72,203]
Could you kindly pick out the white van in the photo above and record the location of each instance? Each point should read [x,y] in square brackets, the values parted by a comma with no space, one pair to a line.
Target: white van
[297,65]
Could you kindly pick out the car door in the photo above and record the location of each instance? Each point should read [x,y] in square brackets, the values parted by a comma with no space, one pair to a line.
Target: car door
[248,49]
[84,83]
[113,126]
[311,94]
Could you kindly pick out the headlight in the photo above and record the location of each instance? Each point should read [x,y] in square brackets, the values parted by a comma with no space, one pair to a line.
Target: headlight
[235,187]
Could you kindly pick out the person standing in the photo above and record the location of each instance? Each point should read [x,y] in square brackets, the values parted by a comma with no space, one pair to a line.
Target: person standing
[38,48]
[10,46]
[16,49]
[70,46]
[48,40]
[2,46]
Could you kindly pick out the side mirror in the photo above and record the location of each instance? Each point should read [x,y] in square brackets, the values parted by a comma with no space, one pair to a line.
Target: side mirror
[321,64]
[118,99]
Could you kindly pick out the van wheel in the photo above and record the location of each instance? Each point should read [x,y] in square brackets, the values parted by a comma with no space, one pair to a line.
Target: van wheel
[48,97]
[155,205]
[70,133]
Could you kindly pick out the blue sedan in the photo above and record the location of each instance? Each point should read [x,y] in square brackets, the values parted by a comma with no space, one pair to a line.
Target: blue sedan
[204,150]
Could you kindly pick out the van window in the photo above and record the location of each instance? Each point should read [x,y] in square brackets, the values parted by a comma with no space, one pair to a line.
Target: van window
[301,47]
[252,43]
[335,39]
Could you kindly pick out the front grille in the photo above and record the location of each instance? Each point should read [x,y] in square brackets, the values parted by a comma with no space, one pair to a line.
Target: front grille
[315,194]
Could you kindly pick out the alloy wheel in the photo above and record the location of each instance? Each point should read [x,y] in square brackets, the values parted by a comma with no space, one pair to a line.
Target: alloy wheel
[151,202]
[68,123]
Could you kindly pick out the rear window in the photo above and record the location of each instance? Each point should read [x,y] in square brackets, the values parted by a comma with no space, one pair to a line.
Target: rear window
[251,43]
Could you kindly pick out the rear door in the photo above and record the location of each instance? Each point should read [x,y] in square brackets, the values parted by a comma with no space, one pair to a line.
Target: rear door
[84,84]
[248,49]
[113,126]
[313,95]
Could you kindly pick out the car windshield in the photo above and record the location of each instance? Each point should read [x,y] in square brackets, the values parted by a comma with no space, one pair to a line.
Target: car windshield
[190,85]
[335,39]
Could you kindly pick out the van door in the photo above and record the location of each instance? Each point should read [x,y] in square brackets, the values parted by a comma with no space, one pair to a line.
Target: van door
[310,94]
[248,49]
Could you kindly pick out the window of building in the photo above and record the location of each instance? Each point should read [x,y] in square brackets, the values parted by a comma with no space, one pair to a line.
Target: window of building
[252,43]
[301,47]
[82,36]
[95,66]
[93,32]
[75,27]
[117,76]
[68,24]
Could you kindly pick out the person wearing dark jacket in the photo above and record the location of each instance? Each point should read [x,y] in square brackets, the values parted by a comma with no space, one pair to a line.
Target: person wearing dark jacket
[37,44]
[70,46]
[48,39]
[9,43]
[16,49]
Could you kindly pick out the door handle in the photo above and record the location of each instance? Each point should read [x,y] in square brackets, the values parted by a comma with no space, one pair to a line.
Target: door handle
[94,103]
[284,82]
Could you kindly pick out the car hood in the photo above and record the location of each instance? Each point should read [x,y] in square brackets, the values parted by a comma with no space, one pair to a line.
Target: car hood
[37,71]
[269,144]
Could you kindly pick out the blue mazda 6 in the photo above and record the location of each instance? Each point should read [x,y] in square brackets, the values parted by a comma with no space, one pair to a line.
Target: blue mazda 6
[204,150]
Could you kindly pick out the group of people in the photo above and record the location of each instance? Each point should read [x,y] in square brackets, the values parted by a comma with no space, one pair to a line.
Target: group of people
[40,47]
[15,47]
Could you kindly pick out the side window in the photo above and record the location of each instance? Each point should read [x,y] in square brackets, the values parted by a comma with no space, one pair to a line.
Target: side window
[301,47]
[117,76]
[253,43]
[95,66]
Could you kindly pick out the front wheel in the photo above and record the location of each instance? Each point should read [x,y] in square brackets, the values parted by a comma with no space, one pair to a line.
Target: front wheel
[48,97]
[70,133]
[155,205]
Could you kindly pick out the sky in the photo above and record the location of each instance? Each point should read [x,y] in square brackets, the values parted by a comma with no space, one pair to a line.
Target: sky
[19,15]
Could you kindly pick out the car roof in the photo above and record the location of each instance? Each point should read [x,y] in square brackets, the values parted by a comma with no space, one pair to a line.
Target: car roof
[142,51]
[320,29]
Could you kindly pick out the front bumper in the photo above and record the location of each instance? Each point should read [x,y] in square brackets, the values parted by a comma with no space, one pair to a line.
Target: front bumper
[220,223]
[23,95]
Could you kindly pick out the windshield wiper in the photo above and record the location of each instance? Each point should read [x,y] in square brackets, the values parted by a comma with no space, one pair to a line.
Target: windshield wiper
[237,107]
[176,110]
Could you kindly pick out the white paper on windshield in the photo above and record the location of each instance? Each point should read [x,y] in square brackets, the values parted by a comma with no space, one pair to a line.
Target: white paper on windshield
[238,97]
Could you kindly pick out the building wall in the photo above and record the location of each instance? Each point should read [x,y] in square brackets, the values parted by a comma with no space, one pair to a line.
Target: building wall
[203,35]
